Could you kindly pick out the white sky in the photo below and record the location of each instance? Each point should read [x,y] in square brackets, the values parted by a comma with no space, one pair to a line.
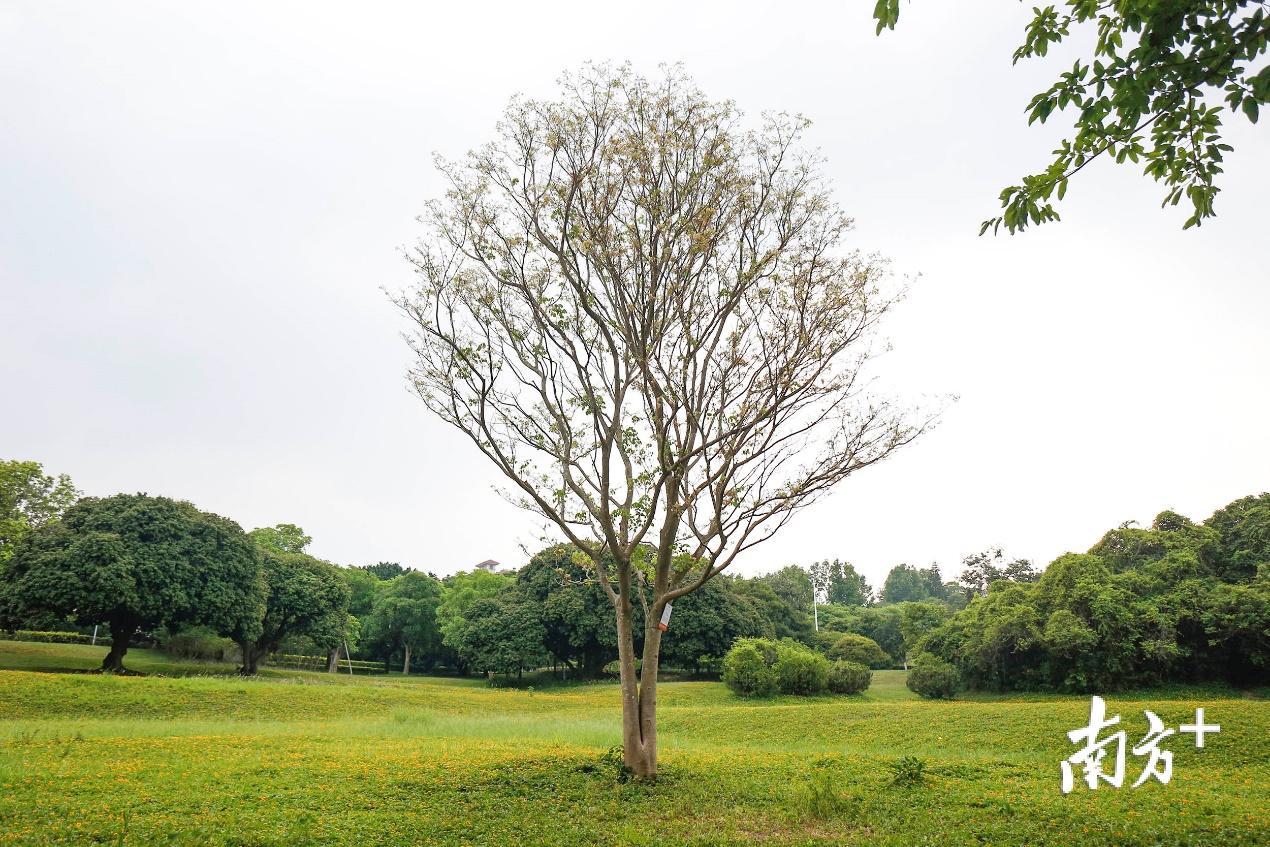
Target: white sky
[199,204]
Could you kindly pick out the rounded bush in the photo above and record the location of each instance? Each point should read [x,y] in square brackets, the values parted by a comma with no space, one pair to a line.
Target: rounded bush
[849,677]
[800,671]
[932,677]
[746,671]
[614,668]
[860,649]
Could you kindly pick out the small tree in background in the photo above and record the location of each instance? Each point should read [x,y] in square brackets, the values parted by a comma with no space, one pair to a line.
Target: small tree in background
[502,634]
[281,538]
[29,499]
[136,561]
[838,582]
[305,596]
[405,616]
[458,594]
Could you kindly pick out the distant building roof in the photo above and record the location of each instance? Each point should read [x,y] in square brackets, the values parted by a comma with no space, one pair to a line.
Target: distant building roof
[487,565]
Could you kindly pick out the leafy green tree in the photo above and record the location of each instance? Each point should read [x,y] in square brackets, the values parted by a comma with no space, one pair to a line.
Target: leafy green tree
[134,561]
[980,570]
[905,582]
[1243,538]
[936,588]
[793,585]
[282,538]
[839,583]
[363,590]
[305,597]
[502,634]
[29,499]
[384,570]
[1151,92]
[707,621]
[577,616]
[787,621]
[917,619]
[405,616]
[458,593]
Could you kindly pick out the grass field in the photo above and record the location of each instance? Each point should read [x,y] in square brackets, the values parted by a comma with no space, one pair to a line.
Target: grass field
[190,755]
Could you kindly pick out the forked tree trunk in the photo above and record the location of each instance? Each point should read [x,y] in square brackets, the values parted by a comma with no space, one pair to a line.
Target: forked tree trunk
[121,631]
[639,695]
[405,665]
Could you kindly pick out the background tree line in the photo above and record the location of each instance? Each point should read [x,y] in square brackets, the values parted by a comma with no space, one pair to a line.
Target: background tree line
[1176,601]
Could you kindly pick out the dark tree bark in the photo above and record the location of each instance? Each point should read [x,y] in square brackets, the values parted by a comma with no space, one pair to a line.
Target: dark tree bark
[252,654]
[121,630]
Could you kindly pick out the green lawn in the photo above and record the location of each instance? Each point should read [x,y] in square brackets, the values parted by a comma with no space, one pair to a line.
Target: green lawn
[191,755]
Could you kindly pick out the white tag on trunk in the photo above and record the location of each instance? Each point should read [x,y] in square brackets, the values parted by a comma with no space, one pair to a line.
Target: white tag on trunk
[665,619]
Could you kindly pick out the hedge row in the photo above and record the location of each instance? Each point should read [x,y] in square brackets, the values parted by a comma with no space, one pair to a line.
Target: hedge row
[54,637]
[319,663]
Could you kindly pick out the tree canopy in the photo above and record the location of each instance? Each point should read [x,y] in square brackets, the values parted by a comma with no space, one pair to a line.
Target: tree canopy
[1178,601]
[305,596]
[136,561]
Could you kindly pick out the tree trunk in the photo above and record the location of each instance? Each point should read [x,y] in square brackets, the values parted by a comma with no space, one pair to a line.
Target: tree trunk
[639,695]
[333,661]
[405,665]
[121,631]
[251,658]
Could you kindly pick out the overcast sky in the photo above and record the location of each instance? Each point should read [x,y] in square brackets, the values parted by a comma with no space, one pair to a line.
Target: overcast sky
[199,205]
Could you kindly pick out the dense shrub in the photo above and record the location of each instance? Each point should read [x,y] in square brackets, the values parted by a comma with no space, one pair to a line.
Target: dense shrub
[199,643]
[800,671]
[859,649]
[746,670]
[932,677]
[849,677]
[758,667]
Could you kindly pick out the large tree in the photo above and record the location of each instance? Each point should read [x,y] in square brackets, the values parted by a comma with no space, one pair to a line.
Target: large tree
[29,499]
[306,596]
[649,319]
[134,561]
[1150,92]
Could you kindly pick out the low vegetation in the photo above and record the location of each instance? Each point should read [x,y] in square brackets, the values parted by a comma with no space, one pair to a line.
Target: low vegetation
[192,754]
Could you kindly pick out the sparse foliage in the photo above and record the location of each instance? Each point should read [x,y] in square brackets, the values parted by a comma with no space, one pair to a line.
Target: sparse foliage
[648,318]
